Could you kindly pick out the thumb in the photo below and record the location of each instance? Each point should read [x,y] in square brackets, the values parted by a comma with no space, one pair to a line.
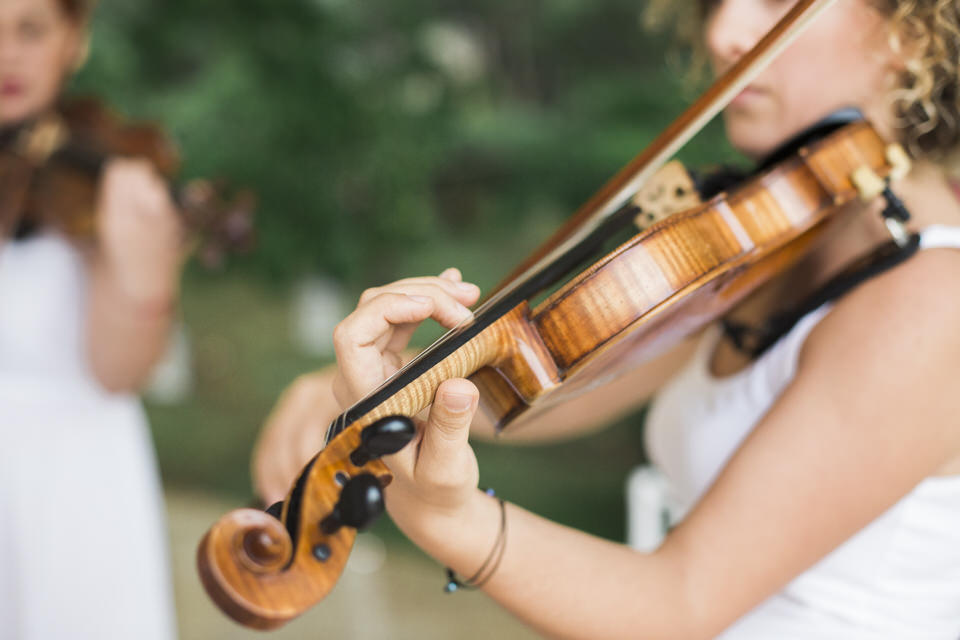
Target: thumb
[448,425]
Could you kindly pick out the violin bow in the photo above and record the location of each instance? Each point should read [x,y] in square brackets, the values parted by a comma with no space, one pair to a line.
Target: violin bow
[619,189]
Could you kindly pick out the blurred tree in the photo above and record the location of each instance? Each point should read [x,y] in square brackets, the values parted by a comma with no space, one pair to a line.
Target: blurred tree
[376,131]
[384,139]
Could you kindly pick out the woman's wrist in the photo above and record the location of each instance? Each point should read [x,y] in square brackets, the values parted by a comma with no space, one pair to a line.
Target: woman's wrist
[463,539]
[156,298]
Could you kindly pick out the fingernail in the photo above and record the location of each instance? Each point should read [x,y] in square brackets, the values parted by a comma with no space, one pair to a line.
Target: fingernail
[466,286]
[451,273]
[420,299]
[457,402]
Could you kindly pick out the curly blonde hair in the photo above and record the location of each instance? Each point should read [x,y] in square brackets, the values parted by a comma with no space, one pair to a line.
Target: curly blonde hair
[926,33]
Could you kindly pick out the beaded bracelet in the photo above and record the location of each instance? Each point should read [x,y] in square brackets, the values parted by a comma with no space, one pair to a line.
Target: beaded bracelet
[490,565]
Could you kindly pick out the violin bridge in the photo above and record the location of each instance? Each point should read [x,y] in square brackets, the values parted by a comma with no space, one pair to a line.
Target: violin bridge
[669,191]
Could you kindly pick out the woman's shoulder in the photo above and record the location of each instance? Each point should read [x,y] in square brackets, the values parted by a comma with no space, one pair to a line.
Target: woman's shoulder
[884,361]
[904,323]
[920,295]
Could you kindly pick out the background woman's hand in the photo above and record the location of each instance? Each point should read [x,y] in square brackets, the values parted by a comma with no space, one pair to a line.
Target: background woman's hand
[140,235]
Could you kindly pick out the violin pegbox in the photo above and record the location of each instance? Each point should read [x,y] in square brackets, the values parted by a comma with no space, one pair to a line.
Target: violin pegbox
[670,190]
[263,568]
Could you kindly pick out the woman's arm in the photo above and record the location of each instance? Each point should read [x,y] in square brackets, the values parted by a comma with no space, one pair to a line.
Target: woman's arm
[134,272]
[870,413]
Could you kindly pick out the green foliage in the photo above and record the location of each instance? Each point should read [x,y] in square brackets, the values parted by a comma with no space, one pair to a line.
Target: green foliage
[384,139]
[374,130]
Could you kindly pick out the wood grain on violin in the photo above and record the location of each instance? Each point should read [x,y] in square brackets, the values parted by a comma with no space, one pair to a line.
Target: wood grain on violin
[663,284]
[666,282]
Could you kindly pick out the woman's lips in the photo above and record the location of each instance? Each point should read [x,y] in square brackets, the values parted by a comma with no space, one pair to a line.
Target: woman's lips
[11,88]
[747,96]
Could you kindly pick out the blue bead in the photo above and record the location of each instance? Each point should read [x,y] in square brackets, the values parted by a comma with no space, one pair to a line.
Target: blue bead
[450,588]
[490,492]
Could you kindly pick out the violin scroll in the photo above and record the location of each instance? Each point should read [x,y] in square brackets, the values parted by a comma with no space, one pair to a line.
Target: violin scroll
[262,570]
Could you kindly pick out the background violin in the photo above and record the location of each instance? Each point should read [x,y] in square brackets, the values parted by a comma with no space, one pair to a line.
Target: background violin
[50,168]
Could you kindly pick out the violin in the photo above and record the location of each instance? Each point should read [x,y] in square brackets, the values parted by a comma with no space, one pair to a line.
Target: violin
[50,168]
[691,262]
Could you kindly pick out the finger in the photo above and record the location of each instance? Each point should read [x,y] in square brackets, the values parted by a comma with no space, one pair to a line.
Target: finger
[449,310]
[379,318]
[450,315]
[446,432]
[403,463]
[463,292]
[355,339]
[453,274]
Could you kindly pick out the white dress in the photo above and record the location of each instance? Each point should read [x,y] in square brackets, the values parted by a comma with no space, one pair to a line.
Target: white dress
[897,578]
[82,533]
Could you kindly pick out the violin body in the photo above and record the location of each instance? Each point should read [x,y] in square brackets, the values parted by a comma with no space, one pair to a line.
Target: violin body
[663,284]
[676,277]
[53,164]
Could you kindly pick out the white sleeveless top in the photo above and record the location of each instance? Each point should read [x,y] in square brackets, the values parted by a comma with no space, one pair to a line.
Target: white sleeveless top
[82,533]
[897,578]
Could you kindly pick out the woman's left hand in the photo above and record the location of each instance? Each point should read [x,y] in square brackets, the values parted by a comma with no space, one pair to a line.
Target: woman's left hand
[435,477]
[140,235]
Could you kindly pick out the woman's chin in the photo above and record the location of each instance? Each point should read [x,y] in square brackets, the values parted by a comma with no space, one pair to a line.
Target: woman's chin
[751,138]
[18,109]
[11,114]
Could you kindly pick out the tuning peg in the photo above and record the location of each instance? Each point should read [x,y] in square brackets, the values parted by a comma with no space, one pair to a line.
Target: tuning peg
[383,437]
[276,509]
[361,502]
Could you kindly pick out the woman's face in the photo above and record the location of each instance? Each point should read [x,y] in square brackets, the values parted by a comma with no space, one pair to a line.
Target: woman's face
[39,45]
[841,60]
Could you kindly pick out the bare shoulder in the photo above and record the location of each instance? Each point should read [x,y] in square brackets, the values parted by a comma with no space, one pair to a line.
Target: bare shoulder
[891,349]
[870,413]
[913,308]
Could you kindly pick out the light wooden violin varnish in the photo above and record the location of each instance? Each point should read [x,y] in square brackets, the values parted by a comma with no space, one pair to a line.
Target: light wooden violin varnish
[678,274]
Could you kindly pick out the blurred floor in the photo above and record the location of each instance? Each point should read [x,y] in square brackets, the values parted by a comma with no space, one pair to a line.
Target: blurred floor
[394,597]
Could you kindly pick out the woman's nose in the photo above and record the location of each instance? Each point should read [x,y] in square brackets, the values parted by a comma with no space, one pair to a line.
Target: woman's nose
[9,49]
[732,28]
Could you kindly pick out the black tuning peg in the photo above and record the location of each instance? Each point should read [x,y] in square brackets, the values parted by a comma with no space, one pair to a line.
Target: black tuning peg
[360,503]
[276,509]
[383,437]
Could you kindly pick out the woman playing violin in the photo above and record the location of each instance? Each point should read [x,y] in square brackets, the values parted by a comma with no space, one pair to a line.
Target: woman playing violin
[821,479]
[81,325]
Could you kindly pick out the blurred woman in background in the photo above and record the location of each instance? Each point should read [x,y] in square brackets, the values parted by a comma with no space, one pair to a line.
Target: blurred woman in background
[81,325]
